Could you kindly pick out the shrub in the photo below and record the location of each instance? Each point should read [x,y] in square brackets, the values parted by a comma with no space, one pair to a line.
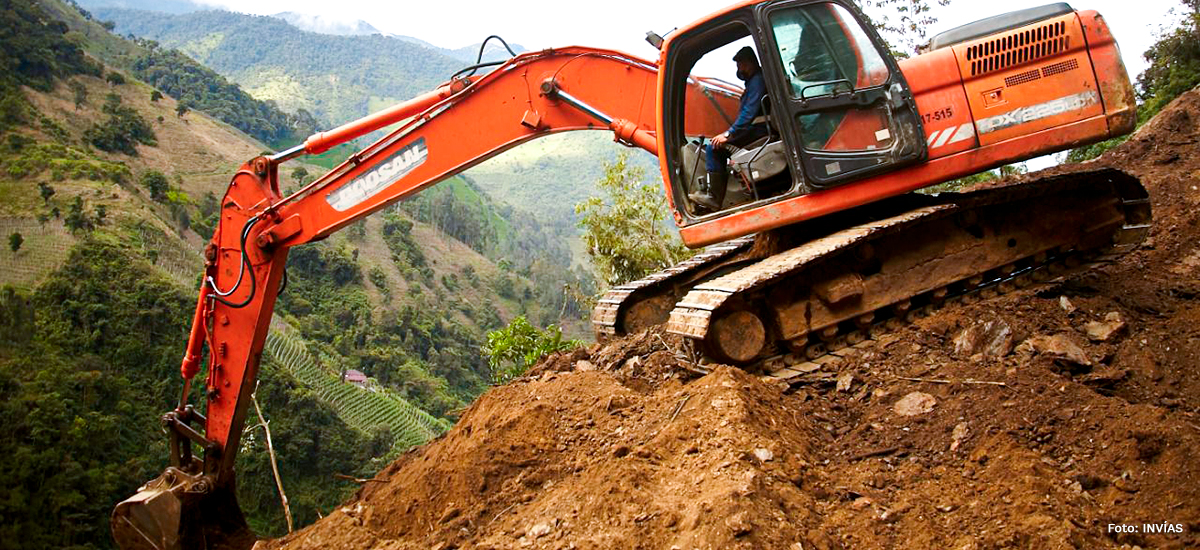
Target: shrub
[516,347]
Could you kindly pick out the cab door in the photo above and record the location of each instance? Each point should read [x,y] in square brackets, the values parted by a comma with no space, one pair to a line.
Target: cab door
[847,110]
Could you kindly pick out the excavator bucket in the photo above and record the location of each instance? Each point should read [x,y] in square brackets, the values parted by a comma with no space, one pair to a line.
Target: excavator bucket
[181,511]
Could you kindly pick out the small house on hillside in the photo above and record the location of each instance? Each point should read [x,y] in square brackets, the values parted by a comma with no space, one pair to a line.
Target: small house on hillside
[355,377]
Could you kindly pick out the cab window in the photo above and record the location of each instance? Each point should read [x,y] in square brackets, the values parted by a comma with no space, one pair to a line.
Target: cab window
[825,53]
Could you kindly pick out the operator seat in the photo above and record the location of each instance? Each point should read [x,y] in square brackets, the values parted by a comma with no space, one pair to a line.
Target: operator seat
[764,159]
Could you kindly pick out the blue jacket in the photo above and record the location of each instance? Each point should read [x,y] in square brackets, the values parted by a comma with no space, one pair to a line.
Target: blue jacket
[751,103]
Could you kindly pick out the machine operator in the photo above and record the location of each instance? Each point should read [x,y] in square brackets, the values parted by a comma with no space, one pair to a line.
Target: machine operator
[747,128]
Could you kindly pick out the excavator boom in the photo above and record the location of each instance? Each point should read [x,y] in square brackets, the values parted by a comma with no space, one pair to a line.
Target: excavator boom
[441,133]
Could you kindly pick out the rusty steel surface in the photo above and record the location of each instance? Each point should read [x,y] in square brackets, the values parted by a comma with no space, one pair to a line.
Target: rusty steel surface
[181,511]
[738,337]
[1110,216]
[711,295]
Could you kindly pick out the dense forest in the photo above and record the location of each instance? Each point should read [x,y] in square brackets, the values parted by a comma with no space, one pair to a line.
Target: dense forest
[87,363]
[198,87]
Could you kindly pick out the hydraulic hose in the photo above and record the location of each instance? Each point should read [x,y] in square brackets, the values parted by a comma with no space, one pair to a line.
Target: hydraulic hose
[220,295]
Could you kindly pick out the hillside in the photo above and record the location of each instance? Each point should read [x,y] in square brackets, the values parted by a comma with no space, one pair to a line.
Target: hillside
[174,74]
[417,265]
[922,438]
[103,189]
[337,78]
[565,166]
[343,77]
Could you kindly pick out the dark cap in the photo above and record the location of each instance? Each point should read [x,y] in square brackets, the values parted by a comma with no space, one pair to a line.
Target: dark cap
[746,54]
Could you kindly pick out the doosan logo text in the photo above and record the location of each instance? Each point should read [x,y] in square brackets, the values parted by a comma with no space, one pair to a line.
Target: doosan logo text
[379,178]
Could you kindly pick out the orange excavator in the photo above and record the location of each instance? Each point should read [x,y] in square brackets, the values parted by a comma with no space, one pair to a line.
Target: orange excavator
[817,241]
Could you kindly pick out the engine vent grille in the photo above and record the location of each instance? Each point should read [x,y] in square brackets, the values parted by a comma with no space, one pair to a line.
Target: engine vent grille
[1027,76]
[1019,47]
[1059,68]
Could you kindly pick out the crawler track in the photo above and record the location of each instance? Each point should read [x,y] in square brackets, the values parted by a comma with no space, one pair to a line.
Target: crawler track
[783,312]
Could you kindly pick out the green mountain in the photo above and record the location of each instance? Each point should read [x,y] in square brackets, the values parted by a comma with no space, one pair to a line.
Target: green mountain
[337,78]
[106,197]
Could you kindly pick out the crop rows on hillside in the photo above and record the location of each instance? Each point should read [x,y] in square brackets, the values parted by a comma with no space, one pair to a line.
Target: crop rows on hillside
[365,408]
[43,249]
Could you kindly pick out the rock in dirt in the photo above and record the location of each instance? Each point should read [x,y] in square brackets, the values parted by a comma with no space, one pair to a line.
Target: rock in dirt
[1106,376]
[739,524]
[992,339]
[845,382]
[961,431]
[1103,331]
[914,404]
[1059,347]
[1067,305]
[763,455]
[540,530]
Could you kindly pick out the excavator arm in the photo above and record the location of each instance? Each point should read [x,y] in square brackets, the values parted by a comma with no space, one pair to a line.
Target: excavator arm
[439,134]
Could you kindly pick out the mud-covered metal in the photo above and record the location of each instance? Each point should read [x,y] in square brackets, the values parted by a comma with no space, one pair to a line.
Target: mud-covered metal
[179,510]
[811,298]
[608,315]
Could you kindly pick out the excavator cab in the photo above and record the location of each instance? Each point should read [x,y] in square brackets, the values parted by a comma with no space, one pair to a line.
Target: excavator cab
[838,108]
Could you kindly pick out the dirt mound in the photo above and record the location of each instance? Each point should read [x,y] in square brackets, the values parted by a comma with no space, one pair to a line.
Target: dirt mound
[1041,419]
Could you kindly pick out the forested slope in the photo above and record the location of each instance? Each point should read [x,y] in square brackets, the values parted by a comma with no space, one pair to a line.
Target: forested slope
[337,78]
[105,193]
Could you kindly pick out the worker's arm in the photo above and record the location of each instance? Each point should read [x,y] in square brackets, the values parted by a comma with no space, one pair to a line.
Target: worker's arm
[751,104]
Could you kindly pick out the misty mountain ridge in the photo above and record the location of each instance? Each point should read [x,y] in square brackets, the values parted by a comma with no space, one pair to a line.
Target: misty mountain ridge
[327,25]
[315,23]
[323,24]
[164,6]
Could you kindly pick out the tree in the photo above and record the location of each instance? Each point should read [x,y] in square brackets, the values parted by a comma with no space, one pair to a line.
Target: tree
[516,347]
[76,219]
[300,174]
[115,78]
[181,109]
[123,130]
[156,183]
[15,241]
[902,22]
[46,192]
[80,93]
[155,96]
[1174,63]
[625,231]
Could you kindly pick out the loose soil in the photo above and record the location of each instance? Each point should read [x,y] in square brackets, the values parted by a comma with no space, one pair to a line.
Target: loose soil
[1018,422]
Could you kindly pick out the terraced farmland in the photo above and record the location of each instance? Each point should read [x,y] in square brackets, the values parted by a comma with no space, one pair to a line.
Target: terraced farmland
[364,408]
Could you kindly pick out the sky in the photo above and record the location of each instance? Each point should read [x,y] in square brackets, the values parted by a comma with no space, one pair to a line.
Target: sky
[622,24]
